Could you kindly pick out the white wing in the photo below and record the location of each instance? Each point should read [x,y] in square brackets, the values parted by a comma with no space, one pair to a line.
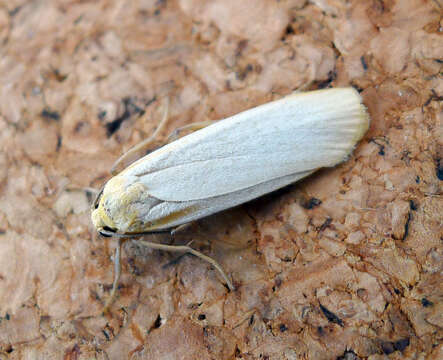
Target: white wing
[297,134]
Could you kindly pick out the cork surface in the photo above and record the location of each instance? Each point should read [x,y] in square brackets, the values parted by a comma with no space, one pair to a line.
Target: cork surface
[344,265]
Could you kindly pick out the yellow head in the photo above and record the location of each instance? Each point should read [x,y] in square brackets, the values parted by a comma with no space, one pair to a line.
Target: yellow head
[116,210]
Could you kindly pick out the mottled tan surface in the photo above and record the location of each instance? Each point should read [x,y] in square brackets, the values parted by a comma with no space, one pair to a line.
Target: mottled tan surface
[355,274]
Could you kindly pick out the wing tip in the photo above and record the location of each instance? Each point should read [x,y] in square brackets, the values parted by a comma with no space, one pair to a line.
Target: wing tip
[363,119]
[363,122]
[359,119]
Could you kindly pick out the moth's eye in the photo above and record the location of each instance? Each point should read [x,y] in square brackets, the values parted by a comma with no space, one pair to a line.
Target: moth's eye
[106,231]
[96,205]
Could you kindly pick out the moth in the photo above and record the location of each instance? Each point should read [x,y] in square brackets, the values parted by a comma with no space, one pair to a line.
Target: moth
[231,162]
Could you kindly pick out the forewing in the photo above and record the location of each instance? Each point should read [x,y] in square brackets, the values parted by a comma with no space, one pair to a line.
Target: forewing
[297,134]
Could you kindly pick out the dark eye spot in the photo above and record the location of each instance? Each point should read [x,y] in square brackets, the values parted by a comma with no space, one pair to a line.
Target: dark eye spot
[106,230]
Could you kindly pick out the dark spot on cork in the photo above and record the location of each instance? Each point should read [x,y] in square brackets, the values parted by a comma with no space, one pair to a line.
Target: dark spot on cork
[332,75]
[387,347]
[439,170]
[102,115]
[348,355]
[408,220]
[283,327]
[312,203]
[14,11]
[327,222]
[331,316]
[364,64]
[426,303]
[402,344]
[288,32]
[79,126]
[50,114]
[130,108]
[158,322]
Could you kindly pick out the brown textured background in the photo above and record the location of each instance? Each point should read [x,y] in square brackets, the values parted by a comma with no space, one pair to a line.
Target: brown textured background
[345,265]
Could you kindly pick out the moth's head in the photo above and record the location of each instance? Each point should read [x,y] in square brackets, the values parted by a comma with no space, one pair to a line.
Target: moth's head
[115,209]
[102,222]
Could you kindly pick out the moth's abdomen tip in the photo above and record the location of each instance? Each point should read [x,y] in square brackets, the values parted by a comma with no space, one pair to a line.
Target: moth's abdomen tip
[355,111]
[364,122]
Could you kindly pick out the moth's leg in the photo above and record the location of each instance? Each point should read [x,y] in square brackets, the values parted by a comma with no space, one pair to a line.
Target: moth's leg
[83,188]
[181,227]
[177,133]
[117,274]
[189,250]
[145,144]
[304,87]
[189,127]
